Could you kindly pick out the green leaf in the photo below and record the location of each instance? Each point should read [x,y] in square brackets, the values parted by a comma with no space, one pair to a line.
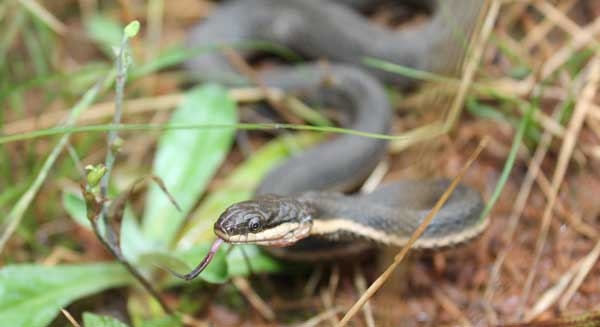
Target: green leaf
[133,240]
[485,111]
[93,320]
[32,295]
[186,160]
[132,29]
[519,72]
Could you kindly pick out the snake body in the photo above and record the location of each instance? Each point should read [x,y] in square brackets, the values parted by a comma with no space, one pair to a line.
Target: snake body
[298,206]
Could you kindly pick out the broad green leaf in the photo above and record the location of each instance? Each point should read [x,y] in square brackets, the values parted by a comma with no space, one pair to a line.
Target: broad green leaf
[186,160]
[32,295]
[93,320]
[133,240]
[240,185]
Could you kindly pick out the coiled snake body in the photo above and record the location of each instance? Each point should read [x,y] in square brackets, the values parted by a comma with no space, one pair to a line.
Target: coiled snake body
[297,204]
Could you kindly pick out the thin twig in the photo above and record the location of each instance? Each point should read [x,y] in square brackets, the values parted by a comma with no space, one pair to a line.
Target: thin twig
[328,294]
[361,285]
[318,319]
[566,52]
[440,128]
[587,95]
[551,295]
[255,300]
[376,177]
[586,265]
[520,203]
[121,78]
[240,63]
[451,307]
[560,19]
[69,317]
[111,241]
[44,15]
[540,31]
[104,110]
[313,281]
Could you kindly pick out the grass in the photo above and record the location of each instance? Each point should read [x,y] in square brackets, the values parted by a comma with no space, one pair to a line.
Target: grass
[531,91]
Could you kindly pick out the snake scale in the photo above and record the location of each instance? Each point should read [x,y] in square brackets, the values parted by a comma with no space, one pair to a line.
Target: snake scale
[299,210]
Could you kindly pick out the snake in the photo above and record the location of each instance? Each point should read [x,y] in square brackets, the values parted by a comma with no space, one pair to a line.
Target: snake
[302,209]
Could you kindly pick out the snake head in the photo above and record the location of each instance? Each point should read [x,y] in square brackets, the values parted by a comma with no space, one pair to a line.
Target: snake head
[267,220]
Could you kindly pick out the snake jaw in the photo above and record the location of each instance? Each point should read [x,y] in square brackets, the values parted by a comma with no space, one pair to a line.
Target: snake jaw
[291,237]
[281,235]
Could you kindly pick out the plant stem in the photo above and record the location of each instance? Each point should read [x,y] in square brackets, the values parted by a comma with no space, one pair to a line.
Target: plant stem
[111,242]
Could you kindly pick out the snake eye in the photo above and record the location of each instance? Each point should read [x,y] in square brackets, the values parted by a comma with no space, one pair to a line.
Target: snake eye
[254,225]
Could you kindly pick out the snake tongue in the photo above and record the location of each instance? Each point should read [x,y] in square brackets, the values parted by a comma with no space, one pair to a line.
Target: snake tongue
[202,265]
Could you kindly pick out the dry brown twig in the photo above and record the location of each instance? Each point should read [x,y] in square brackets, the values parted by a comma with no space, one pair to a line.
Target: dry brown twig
[69,317]
[435,129]
[43,14]
[579,41]
[321,317]
[253,298]
[587,263]
[449,306]
[517,211]
[105,110]
[243,67]
[548,298]
[540,31]
[360,283]
[587,96]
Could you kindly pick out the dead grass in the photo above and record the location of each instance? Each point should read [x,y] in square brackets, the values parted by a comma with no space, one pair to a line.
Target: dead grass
[538,258]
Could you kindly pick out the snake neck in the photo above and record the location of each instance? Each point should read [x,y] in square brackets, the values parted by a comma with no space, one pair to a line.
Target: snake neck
[340,218]
[391,214]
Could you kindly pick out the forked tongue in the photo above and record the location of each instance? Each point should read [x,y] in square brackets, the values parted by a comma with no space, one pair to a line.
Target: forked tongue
[202,265]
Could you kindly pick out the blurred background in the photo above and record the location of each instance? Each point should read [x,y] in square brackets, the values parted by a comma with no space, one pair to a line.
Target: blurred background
[529,85]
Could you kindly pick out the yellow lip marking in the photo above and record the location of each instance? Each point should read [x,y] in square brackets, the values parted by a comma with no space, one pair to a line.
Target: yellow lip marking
[274,233]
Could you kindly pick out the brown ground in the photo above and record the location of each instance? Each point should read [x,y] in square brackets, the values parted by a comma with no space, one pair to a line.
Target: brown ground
[456,286]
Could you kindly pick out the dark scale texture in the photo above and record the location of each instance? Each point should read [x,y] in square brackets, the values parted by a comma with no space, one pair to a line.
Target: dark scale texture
[328,30]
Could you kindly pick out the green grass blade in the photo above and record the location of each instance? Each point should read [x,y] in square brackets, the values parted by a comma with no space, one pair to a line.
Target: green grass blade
[16,214]
[510,161]
[190,126]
